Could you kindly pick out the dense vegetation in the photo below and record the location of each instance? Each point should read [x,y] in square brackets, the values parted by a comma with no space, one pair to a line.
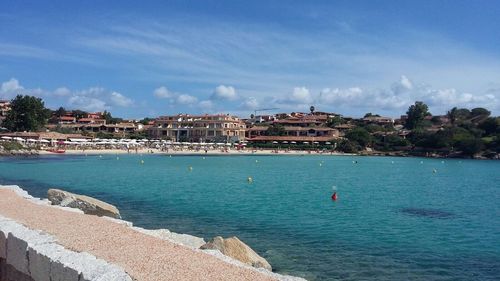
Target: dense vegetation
[463,132]
[27,114]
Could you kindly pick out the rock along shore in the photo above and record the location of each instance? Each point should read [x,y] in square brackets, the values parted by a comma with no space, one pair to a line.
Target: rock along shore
[142,254]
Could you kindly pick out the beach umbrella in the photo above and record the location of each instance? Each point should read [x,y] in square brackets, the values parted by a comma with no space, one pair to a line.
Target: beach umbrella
[219,143]
[315,142]
[305,142]
[292,142]
[18,139]
[285,142]
[328,142]
[6,138]
[31,140]
[275,142]
[228,144]
[44,141]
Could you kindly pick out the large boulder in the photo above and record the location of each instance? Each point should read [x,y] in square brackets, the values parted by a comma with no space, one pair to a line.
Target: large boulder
[234,248]
[87,204]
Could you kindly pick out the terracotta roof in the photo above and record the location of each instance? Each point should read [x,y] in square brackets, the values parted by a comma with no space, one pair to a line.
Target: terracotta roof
[297,121]
[297,128]
[66,118]
[257,128]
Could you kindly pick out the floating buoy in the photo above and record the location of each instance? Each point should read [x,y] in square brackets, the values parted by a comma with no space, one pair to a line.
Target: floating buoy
[142,161]
[334,196]
[256,161]
[320,164]
[203,157]
[421,162]
[100,156]
[250,179]
[117,158]
[170,156]
[190,168]
[434,171]
[392,162]
[442,162]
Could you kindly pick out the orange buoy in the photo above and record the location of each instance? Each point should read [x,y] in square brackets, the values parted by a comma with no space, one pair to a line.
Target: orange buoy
[334,196]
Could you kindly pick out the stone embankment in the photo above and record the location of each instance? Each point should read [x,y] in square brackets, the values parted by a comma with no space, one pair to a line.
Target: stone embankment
[40,241]
[17,152]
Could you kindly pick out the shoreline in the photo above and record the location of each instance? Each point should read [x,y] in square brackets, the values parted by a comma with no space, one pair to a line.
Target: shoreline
[190,152]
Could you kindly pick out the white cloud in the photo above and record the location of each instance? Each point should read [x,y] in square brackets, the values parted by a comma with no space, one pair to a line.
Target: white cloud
[402,86]
[62,92]
[402,94]
[300,95]
[120,100]
[206,105]
[163,93]
[186,99]
[250,103]
[87,103]
[222,92]
[11,86]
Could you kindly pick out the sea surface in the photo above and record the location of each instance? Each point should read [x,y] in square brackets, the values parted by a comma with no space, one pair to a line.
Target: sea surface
[395,218]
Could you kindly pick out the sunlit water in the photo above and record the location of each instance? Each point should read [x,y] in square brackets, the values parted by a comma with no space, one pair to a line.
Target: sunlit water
[395,218]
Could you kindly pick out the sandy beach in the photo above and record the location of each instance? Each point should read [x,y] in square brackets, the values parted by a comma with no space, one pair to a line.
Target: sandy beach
[187,152]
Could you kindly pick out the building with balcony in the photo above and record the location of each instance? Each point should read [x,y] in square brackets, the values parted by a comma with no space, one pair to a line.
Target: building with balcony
[199,128]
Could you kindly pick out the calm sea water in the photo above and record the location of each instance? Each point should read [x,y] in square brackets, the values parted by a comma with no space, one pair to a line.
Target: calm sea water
[395,218]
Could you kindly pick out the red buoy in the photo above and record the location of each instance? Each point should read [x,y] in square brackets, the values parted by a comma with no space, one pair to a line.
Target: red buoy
[334,196]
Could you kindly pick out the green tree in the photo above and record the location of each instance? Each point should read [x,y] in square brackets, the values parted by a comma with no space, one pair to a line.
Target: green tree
[79,114]
[27,114]
[479,111]
[60,112]
[146,120]
[109,119]
[490,125]
[360,136]
[369,114]
[416,115]
[275,130]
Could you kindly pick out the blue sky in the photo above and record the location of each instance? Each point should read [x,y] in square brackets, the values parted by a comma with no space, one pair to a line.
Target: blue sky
[168,57]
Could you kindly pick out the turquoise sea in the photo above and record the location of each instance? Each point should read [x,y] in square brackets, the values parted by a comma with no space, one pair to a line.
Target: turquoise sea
[395,219]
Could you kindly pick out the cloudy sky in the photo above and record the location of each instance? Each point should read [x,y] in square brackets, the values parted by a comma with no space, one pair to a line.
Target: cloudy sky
[168,57]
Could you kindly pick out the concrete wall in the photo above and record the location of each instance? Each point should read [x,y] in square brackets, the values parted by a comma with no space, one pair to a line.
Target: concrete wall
[27,255]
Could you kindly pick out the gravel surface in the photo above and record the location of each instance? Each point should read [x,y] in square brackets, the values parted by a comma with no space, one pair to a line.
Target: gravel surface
[142,256]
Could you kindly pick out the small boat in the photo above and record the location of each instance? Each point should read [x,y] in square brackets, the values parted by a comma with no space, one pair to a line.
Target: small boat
[57,151]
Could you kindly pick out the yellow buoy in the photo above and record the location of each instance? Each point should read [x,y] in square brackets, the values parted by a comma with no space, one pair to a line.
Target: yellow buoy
[250,179]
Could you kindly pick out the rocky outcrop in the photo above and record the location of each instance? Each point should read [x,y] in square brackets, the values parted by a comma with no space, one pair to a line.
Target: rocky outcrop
[234,248]
[87,204]
[20,152]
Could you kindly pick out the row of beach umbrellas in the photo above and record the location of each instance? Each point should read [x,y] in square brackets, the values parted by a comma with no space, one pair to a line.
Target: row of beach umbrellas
[305,142]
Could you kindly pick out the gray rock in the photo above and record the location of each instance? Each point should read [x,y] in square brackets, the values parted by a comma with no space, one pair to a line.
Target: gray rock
[234,248]
[87,204]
